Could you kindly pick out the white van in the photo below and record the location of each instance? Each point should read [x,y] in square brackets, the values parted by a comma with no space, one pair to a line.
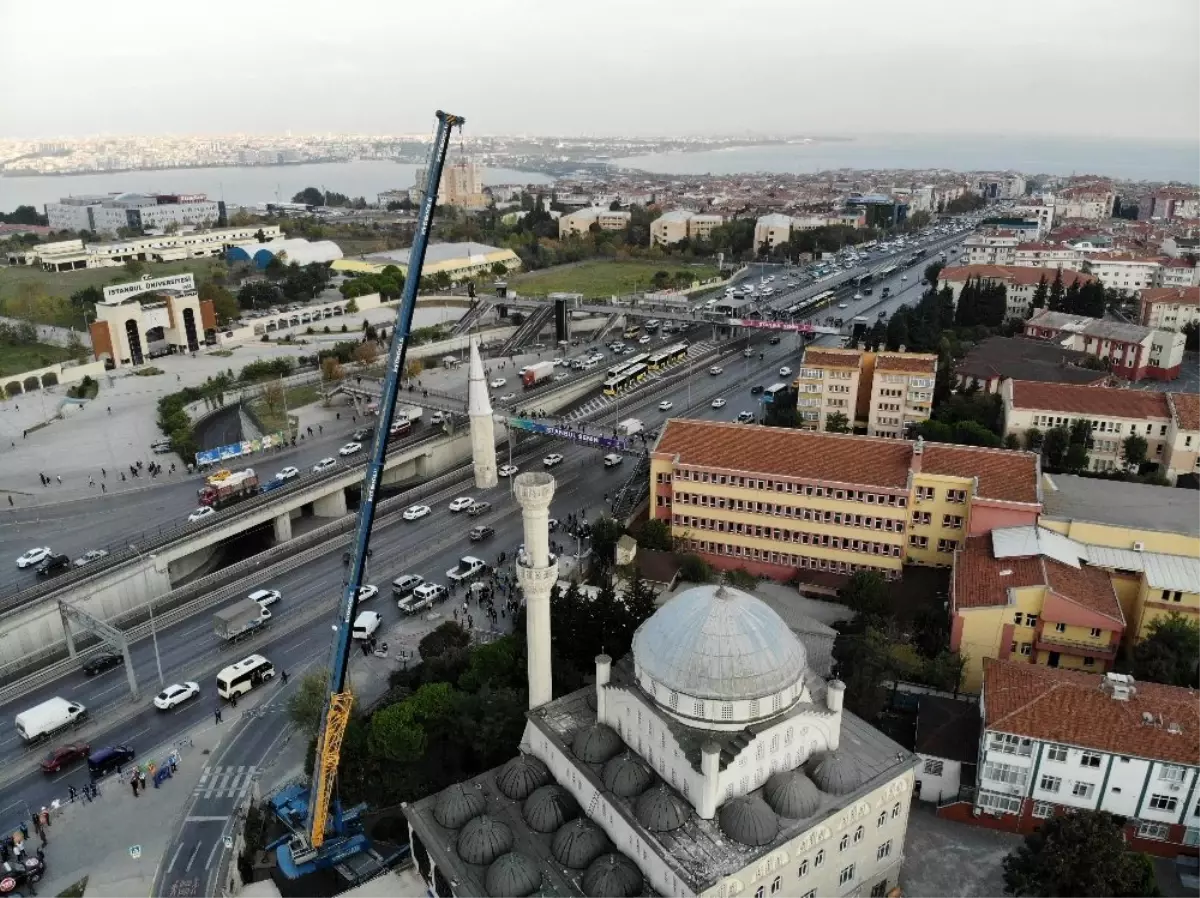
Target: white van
[612,460]
[366,624]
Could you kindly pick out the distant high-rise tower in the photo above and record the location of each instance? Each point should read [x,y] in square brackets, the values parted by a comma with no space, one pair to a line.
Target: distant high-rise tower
[479,410]
[537,572]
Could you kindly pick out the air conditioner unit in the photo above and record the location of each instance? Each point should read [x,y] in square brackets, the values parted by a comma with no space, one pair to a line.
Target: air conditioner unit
[1139,547]
[1175,787]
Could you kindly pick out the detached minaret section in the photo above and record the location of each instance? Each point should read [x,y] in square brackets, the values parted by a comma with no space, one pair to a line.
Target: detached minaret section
[479,410]
[537,572]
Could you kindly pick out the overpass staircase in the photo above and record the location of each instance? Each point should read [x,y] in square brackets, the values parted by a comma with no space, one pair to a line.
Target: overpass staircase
[607,327]
[474,315]
[533,324]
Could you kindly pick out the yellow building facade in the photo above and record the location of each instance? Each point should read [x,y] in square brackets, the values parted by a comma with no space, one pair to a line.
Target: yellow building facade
[882,393]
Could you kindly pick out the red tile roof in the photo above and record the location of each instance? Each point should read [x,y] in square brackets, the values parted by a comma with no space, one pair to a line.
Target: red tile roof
[1085,585]
[1003,474]
[981,581]
[1185,408]
[833,358]
[1022,275]
[1084,400]
[1071,708]
[909,362]
[1189,296]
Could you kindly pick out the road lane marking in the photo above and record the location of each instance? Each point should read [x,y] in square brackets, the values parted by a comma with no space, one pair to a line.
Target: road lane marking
[175,857]
[216,843]
[192,858]
[202,819]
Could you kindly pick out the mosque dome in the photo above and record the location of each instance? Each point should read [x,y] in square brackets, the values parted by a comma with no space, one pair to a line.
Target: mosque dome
[550,807]
[626,776]
[748,820]
[596,744]
[457,804]
[612,876]
[660,811]
[718,643]
[578,843]
[836,773]
[483,839]
[512,875]
[519,777]
[791,794]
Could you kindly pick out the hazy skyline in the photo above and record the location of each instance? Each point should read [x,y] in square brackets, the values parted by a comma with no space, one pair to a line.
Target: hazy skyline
[1086,68]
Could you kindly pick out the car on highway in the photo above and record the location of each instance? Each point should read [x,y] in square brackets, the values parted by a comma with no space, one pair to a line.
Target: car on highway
[552,459]
[102,662]
[755,390]
[204,511]
[176,694]
[416,512]
[784,371]
[34,556]
[89,556]
[644,339]
[325,464]
[350,449]
[497,382]
[438,418]
[558,361]
[666,405]
[842,305]
[265,597]
[718,403]
[462,503]
[111,757]
[745,417]
[774,341]
[563,375]
[428,593]
[481,532]
[507,397]
[715,370]
[904,277]
[479,508]
[363,433]
[288,473]
[64,756]
[508,470]
[367,591]
[612,460]
[406,583]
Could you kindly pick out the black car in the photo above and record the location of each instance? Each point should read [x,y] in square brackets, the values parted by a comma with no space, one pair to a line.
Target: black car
[363,433]
[774,341]
[19,872]
[102,662]
[754,391]
[54,564]
[481,532]
[103,760]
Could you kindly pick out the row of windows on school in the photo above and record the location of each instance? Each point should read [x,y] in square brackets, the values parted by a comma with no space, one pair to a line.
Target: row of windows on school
[785,559]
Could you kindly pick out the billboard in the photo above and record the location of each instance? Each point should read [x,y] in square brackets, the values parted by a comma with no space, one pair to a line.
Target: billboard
[619,444]
[238,450]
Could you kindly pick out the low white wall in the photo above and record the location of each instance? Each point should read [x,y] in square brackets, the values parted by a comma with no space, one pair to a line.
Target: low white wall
[66,372]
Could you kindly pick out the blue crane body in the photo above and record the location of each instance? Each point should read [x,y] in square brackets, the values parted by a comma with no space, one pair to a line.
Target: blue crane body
[314,844]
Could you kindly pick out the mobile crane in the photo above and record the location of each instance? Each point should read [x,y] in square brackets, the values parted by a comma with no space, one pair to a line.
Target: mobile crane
[314,842]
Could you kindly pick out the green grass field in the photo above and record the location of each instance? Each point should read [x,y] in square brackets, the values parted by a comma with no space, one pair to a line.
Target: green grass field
[602,279]
[29,357]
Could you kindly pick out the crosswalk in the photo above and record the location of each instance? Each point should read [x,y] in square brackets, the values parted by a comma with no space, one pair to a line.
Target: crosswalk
[599,403]
[225,781]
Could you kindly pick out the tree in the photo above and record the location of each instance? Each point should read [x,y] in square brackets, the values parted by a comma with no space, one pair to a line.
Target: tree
[1040,293]
[836,422]
[134,268]
[1076,458]
[1054,447]
[307,703]
[446,637]
[351,307]
[331,370]
[273,396]
[1082,853]
[366,353]
[1033,439]
[87,297]
[605,533]
[866,593]
[76,348]
[499,269]
[1134,448]
[25,215]
[225,304]
[310,196]
[1168,652]
[695,569]
[1012,441]
[655,534]
[257,295]
[1055,301]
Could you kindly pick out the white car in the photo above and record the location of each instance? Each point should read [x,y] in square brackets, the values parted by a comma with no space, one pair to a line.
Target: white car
[904,277]
[265,597]
[718,403]
[785,371]
[842,305]
[350,449]
[89,556]
[416,512]
[497,383]
[644,339]
[438,418]
[176,694]
[34,556]
[552,459]
[324,464]
[558,362]
[367,591]
[462,503]
[858,296]
[288,473]
[665,405]
[507,397]
[204,511]
[508,470]
[715,370]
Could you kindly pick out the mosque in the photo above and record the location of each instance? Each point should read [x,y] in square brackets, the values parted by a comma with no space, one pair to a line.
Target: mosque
[711,761]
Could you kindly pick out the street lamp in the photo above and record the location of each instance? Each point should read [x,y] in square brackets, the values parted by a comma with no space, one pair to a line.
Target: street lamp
[153,631]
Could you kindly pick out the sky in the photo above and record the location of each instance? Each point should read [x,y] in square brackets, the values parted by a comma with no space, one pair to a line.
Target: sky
[1088,68]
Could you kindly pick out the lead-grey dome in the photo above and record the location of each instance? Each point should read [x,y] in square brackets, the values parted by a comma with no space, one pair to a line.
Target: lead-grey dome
[717,642]
[550,807]
[513,875]
[626,776]
[836,773]
[483,840]
[578,843]
[791,794]
[596,744]
[660,811]
[612,876]
[748,820]
[457,804]
[520,776]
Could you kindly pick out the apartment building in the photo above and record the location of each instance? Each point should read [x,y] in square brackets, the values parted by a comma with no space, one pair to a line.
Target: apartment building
[1170,202]
[1089,202]
[107,213]
[991,362]
[1133,351]
[882,393]
[827,383]
[1056,741]
[1049,255]
[1020,282]
[1041,212]
[1183,435]
[783,503]
[1178,273]
[461,185]
[580,222]
[1126,272]
[992,247]
[1171,308]
[772,230]
[681,224]
[901,392]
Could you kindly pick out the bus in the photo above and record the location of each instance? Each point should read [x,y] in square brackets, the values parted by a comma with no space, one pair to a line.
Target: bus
[631,376]
[671,355]
[240,678]
[628,363]
[888,272]
[632,332]
[772,391]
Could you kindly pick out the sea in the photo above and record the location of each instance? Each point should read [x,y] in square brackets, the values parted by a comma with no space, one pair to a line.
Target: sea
[1123,159]
[238,186]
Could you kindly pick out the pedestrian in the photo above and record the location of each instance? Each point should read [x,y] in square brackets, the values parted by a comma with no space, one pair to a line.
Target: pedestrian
[142,778]
[233,699]
[283,677]
[45,816]
[104,487]
[10,501]
[217,715]
[25,829]
[71,794]
[470,622]
[321,427]
[91,481]
[133,783]
[59,477]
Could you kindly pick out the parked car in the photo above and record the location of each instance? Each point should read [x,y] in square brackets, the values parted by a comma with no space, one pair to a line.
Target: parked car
[715,370]
[497,383]
[367,591]
[103,760]
[102,662]
[64,756]
[176,694]
[406,583]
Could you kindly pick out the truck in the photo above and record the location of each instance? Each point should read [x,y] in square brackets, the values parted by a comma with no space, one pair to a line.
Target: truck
[48,718]
[411,414]
[629,427]
[468,566]
[230,489]
[536,374]
[240,619]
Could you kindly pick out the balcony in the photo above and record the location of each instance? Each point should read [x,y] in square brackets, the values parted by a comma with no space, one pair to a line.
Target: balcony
[1056,642]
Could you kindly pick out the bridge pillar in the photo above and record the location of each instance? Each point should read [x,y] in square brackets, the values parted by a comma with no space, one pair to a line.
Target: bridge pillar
[331,506]
[283,527]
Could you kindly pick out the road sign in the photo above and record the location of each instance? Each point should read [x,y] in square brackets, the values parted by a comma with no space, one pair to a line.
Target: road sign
[135,851]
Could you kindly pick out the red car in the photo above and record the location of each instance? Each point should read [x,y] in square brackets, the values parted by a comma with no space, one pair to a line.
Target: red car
[65,755]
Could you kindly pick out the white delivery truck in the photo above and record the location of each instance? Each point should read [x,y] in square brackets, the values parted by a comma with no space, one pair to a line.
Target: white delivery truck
[366,624]
[629,427]
[48,718]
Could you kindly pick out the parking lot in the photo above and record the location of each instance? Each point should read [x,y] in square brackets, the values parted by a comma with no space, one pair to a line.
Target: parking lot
[944,858]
